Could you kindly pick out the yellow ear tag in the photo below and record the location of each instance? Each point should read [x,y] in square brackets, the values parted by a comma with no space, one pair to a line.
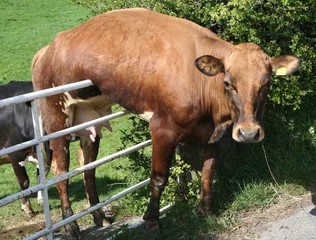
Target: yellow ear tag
[281,71]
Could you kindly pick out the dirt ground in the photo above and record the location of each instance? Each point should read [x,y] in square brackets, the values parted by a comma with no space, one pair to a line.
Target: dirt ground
[251,223]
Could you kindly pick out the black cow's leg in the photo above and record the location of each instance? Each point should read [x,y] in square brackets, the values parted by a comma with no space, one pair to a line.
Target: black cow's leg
[40,200]
[88,153]
[23,179]
[60,165]
[164,142]
[208,156]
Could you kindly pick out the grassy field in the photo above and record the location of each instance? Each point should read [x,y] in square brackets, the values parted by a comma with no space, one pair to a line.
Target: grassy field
[26,26]
[243,182]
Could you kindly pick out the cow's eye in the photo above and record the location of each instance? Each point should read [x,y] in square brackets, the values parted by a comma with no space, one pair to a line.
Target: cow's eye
[228,86]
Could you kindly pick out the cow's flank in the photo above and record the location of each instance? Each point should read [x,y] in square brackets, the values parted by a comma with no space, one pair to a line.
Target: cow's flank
[188,82]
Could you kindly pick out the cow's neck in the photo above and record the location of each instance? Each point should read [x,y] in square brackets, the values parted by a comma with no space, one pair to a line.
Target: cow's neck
[213,99]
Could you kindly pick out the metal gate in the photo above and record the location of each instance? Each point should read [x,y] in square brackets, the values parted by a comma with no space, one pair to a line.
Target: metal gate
[39,138]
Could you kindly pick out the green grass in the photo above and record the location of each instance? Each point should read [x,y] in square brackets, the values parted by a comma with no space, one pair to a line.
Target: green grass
[242,182]
[26,26]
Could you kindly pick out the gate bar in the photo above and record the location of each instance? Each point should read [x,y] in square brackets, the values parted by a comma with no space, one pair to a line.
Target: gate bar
[38,133]
[62,132]
[72,173]
[45,93]
[89,210]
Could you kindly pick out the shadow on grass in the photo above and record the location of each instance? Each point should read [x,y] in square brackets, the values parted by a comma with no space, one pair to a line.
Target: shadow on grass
[77,190]
[105,186]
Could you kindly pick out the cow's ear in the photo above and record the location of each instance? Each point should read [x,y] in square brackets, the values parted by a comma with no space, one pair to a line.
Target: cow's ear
[209,65]
[285,65]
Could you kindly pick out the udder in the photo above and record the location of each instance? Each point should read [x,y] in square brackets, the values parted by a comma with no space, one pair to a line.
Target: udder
[85,114]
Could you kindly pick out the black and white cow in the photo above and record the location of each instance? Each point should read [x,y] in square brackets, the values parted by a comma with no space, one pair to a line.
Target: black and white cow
[16,126]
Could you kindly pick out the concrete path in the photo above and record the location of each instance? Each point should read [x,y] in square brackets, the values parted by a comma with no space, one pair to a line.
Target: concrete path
[301,225]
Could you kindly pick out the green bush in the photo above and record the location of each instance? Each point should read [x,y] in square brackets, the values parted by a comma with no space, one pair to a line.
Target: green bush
[278,26]
[178,186]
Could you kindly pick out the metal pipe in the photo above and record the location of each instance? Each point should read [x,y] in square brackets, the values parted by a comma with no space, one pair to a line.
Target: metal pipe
[41,167]
[72,173]
[45,93]
[62,132]
[89,210]
[39,138]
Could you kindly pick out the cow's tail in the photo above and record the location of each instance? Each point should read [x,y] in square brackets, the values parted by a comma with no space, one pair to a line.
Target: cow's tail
[44,146]
[47,152]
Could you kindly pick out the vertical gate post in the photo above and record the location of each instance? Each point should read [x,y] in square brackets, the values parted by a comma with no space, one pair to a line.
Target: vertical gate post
[38,132]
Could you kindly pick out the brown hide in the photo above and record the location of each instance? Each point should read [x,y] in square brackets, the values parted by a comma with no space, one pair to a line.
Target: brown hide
[169,69]
[140,64]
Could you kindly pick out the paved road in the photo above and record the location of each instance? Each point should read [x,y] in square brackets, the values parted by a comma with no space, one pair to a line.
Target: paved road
[301,225]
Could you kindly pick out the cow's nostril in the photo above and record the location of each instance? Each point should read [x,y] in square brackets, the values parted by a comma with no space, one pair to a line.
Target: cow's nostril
[249,135]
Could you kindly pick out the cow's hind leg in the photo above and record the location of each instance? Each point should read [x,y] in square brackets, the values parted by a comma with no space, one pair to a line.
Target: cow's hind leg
[47,154]
[60,165]
[164,142]
[208,156]
[23,179]
[88,153]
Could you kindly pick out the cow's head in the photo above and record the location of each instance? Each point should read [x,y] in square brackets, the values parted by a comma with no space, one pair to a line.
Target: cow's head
[247,79]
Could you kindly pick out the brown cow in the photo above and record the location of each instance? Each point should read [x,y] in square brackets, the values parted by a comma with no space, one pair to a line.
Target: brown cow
[183,78]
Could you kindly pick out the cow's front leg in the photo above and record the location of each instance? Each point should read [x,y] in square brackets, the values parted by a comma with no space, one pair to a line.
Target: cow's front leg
[208,156]
[60,165]
[88,153]
[164,142]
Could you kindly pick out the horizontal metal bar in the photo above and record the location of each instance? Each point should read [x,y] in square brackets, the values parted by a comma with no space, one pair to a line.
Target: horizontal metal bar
[62,132]
[141,222]
[44,185]
[72,173]
[45,93]
[89,210]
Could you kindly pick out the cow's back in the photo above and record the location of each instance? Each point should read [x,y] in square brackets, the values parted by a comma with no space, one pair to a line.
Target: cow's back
[131,55]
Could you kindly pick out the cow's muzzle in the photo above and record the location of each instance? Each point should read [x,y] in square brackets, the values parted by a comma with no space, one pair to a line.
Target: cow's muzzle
[248,133]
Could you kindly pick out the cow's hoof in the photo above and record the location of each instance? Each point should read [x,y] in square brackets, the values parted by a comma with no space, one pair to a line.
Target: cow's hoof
[29,214]
[99,218]
[72,229]
[205,206]
[41,205]
[152,229]
[27,209]
[152,225]
[206,211]
[41,209]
